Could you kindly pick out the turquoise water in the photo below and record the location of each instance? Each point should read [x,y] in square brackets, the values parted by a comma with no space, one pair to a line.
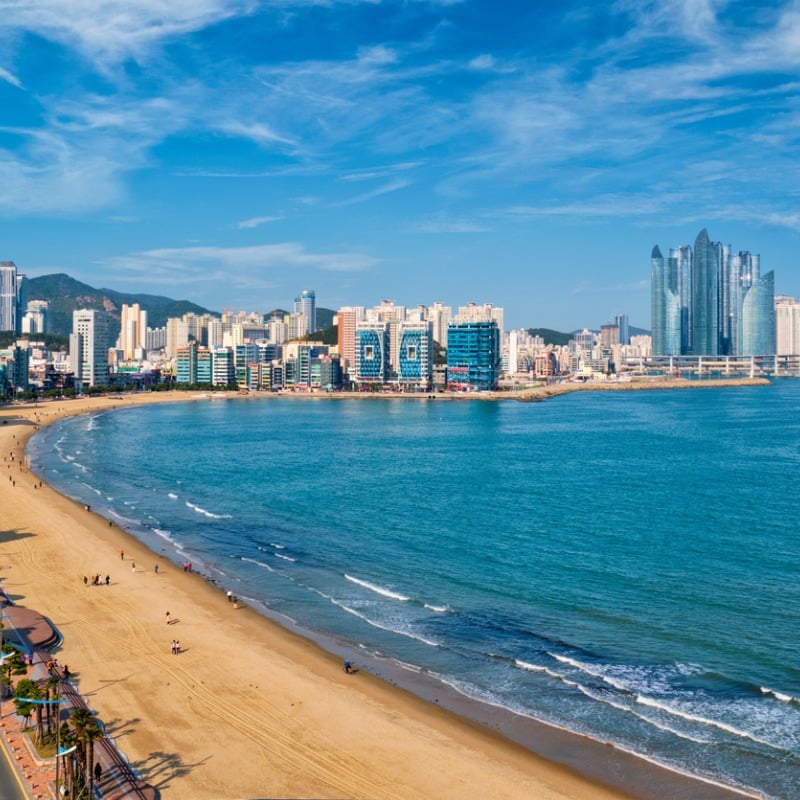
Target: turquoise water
[621,564]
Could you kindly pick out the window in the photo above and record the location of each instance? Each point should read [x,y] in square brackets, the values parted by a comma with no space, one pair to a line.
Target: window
[369,352]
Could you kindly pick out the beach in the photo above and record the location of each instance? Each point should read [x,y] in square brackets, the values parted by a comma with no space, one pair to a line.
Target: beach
[246,708]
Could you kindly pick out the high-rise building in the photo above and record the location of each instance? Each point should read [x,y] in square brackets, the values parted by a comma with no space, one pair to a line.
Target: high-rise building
[371,352]
[9,296]
[88,347]
[473,354]
[787,326]
[35,319]
[133,332]
[710,302]
[415,354]
[621,321]
[306,303]
[347,320]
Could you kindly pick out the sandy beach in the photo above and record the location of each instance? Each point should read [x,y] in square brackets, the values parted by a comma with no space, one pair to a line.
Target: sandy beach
[247,709]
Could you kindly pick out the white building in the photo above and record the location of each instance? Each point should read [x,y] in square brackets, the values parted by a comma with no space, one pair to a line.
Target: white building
[88,347]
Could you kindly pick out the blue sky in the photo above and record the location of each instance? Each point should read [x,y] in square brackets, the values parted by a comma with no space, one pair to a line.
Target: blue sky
[526,154]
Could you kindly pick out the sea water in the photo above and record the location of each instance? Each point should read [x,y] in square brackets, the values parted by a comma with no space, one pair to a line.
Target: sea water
[622,564]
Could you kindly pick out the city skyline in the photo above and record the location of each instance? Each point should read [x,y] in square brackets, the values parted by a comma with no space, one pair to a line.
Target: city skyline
[416,151]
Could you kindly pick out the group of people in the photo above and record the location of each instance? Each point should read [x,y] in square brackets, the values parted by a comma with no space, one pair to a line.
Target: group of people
[176,647]
[97,580]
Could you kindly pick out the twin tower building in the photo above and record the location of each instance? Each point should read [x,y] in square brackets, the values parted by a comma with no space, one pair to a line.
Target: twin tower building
[708,301]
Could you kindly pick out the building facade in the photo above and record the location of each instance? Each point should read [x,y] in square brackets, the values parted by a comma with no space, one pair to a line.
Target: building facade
[473,355]
[371,353]
[88,347]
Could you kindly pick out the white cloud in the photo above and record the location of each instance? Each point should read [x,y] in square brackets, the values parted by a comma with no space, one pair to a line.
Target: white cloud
[6,76]
[186,265]
[387,188]
[255,222]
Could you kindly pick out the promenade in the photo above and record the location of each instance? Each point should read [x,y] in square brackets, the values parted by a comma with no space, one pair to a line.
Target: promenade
[34,635]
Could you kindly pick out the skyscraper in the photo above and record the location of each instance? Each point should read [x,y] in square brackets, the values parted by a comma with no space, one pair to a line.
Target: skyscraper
[706,276]
[9,297]
[133,331]
[306,303]
[88,347]
[708,302]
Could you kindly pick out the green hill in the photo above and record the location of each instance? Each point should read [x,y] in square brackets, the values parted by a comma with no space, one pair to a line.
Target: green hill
[64,295]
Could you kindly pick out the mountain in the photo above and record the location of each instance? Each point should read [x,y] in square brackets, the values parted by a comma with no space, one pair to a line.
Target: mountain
[550,336]
[64,295]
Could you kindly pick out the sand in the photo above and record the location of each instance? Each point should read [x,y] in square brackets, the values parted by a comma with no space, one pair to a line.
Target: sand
[247,709]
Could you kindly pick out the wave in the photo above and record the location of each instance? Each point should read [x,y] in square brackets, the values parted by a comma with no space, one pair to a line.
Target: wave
[437,609]
[382,626]
[377,589]
[536,668]
[257,563]
[277,546]
[205,513]
[784,698]
[285,558]
[172,495]
[723,726]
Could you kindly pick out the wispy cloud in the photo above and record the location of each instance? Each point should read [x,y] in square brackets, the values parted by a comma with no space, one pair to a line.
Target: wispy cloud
[239,265]
[8,77]
[436,226]
[387,188]
[256,222]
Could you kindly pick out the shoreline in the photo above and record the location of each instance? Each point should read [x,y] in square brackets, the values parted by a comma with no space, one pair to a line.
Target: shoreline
[442,751]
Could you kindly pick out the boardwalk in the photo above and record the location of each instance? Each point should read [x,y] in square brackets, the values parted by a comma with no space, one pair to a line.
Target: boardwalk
[35,635]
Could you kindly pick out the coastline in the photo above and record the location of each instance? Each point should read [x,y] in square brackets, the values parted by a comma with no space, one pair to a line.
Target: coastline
[250,708]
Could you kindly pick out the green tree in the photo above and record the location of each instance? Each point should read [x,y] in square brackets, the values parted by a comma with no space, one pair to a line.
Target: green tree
[28,689]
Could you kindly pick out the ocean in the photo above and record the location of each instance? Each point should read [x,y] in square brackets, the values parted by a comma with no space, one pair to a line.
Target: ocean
[620,564]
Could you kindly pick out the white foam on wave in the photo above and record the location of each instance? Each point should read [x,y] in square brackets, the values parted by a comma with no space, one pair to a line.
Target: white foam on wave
[383,627]
[258,563]
[723,726]
[205,513]
[437,609]
[172,495]
[285,558]
[536,668]
[377,589]
[784,698]
[277,546]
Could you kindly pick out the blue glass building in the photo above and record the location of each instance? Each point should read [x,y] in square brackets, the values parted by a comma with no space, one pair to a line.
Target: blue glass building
[709,302]
[473,355]
[372,352]
[415,356]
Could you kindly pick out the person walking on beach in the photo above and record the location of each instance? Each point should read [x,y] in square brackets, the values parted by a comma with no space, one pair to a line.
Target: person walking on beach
[121,555]
[133,566]
[169,618]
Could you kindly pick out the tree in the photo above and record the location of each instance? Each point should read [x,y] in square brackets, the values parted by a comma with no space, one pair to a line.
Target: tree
[28,689]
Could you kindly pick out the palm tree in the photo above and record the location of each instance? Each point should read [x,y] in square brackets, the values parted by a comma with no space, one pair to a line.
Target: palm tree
[66,740]
[91,735]
[87,732]
[29,690]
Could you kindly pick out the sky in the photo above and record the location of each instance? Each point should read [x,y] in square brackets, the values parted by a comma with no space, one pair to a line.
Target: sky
[523,154]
